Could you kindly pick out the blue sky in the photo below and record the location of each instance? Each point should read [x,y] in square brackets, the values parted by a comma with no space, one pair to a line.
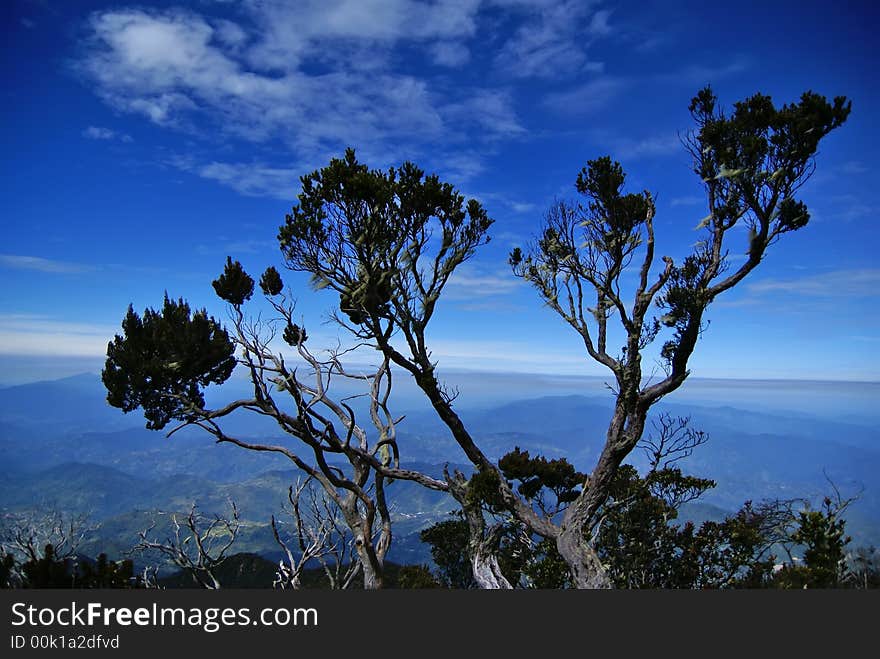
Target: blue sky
[147,141]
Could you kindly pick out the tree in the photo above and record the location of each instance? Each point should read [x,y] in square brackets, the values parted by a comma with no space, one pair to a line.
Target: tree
[822,535]
[752,164]
[320,536]
[387,242]
[196,544]
[642,543]
[40,549]
[864,569]
[163,361]
[449,540]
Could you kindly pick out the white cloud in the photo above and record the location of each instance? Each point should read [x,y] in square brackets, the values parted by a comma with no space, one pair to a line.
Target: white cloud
[450,53]
[28,334]
[848,208]
[862,282]
[509,356]
[522,207]
[213,77]
[252,179]
[688,200]
[700,74]
[587,98]
[471,283]
[296,31]
[854,167]
[100,133]
[40,264]
[552,42]
[599,22]
[649,147]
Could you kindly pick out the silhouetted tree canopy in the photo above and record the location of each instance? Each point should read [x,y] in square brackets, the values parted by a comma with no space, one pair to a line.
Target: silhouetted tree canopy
[366,234]
[163,361]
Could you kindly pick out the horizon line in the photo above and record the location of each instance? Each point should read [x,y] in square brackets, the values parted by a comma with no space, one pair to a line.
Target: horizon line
[566,376]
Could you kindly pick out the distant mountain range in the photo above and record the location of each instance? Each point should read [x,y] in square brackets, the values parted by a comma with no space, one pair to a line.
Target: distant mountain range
[65,447]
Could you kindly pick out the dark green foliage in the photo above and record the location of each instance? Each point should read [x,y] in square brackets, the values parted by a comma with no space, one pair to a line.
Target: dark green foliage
[822,534]
[294,334]
[639,540]
[164,360]
[618,215]
[242,570]
[483,489]
[547,569]
[49,571]
[361,232]
[7,567]
[104,573]
[763,143]
[416,577]
[234,285]
[533,474]
[594,240]
[684,297]
[752,164]
[645,547]
[864,568]
[449,541]
[52,571]
[270,282]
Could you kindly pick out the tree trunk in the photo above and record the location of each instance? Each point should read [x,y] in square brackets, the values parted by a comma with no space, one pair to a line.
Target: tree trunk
[573,540]
[482,545]
[484,558]
[587,570]
[372,571]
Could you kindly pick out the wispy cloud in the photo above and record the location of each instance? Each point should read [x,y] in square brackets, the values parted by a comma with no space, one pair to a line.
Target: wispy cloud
[255,80]
[28,334]
[100,133]
[687,200]
[247,178]
[453,54]
[854,167]
[470,283]
[40,264]
[863,282]
[701,74]
[586,98]
[848,208]
[553,42]
[625,148]
[510,356]
[230,247]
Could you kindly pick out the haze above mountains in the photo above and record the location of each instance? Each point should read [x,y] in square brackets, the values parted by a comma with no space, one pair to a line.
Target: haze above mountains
[64,447]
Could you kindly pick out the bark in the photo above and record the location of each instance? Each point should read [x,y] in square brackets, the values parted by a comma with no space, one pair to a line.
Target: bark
[586,568]
[373,579]
[482,543]
[484,557]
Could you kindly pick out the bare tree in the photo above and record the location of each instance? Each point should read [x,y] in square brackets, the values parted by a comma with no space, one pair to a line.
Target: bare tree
[194,351]
[25,537]
[196,544]
[320,536]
